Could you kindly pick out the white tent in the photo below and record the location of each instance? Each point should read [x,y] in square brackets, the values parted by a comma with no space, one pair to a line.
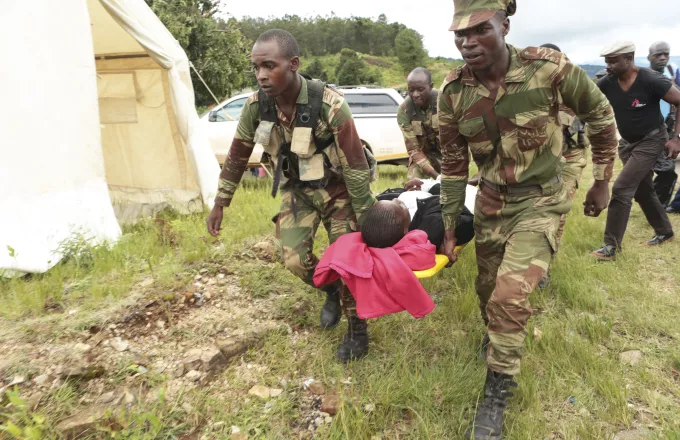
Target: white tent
[97,122]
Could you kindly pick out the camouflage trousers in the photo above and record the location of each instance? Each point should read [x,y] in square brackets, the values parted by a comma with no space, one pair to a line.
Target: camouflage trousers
[515,239]
[302,210]
[571,175]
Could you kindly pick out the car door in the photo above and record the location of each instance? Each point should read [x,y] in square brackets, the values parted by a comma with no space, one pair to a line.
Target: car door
[221,128]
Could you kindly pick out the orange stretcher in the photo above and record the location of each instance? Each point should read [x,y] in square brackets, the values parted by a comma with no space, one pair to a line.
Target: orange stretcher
[440,262]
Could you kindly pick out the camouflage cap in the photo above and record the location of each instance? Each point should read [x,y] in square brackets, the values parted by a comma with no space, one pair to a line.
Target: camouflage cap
[470,13]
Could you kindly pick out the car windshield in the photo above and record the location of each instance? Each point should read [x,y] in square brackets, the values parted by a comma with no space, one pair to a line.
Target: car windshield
[231,111]
[362,103]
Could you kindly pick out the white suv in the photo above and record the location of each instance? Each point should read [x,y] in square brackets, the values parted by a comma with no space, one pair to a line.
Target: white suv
[375,116]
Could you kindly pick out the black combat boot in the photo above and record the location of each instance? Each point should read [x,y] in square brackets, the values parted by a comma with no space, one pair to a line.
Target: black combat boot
[355,344]
[331,312]
[488,423]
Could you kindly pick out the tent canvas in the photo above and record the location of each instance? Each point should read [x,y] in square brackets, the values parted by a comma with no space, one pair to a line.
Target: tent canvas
[101,123]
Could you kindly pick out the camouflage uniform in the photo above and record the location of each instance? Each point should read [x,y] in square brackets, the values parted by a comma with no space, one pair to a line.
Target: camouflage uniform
[574,153]
[336,205]
[421,136]
[521,196]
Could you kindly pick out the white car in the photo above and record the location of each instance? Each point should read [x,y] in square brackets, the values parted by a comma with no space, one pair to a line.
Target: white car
[375,116]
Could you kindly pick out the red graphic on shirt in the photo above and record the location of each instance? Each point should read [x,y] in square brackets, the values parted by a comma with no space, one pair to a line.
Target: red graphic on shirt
[637,104]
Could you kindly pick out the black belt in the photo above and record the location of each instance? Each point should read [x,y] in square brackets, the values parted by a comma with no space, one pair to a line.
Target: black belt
[651,133]
[518,189]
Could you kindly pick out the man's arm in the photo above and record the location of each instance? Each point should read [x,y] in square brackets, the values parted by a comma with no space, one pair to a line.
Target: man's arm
[581,95]
[455,163]
[673,145]
[413,147]
[354,164]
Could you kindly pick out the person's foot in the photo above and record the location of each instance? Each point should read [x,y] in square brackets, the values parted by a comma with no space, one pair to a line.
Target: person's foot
[331,311]
[488,424]
[660,239]
[545,281]
[605,253]
[355,343]
[672,210]
[484,349]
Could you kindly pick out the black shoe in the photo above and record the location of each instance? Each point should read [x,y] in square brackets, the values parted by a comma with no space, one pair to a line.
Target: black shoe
[660,239]
[331,311]
[672,210]
[355,344]
[484,349]
[488,424]
[545,281]
[605,253]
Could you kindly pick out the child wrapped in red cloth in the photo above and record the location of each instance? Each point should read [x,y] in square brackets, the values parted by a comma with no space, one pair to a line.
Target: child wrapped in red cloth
[377,263]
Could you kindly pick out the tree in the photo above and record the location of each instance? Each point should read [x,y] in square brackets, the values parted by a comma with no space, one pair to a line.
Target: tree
[409,49]
[353,71]
[316,70]
[216,49]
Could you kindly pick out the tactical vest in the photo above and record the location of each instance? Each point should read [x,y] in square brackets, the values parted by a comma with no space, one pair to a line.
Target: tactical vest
[420,129]
[301,160]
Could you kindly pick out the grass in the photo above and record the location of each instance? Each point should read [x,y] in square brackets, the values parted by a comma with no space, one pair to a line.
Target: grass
[422,376]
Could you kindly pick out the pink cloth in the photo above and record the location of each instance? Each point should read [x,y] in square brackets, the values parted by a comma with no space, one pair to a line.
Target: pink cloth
[381,280]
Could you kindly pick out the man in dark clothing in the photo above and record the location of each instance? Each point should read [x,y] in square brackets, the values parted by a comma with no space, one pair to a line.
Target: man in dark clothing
[664,182]
[634,93]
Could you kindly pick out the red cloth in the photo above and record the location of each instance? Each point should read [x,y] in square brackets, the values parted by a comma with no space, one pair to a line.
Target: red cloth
[381,280]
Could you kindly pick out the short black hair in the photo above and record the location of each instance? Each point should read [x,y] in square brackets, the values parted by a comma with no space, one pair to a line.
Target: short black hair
[551,46]
[382,227]
[427,73]
[285,40]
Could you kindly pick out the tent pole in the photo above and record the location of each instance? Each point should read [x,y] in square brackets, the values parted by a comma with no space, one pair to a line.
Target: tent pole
[203,81]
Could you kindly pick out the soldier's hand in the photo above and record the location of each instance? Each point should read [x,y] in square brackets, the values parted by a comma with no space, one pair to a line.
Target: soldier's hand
[596,199]
[449,249]
[413,185]
[673,148]
[214,220]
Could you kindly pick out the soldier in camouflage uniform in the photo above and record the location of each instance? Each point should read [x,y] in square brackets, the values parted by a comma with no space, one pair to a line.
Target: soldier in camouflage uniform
[321,168]
[502,106]
[417,118]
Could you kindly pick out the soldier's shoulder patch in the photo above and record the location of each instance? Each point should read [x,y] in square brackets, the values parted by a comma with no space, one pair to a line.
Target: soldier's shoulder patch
[452,76]
[541,53]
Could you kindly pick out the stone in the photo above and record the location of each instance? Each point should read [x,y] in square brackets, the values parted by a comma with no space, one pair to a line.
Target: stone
[318,421]
[160,324]
[631,358]
[187,407]
[79,424]
[81,348]
[192,359]
[212,358]
[264,392]
[538,334]
[178,371]
[146,282]
[106,397]
[119,344]
[369,407]
[328,420]
[17,380]
[193,375]
[128,398]
[275,392]
[316,388]
[235,429]
[41,380]
[330,404]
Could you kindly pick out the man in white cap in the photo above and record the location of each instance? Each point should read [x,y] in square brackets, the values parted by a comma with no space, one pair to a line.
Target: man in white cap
[634,93]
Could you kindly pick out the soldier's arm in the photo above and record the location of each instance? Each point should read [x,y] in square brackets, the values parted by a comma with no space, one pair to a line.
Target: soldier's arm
[413,147]
[455,162]
[239,153]
[354,164]
[580,94]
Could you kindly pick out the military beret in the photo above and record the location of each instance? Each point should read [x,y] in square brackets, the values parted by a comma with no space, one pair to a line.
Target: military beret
[618,48]
[470,13]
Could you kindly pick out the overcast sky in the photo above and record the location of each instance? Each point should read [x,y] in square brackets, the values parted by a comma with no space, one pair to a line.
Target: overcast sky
[580,27]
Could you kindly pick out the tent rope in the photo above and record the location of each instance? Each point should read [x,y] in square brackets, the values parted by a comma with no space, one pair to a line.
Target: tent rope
[204,83]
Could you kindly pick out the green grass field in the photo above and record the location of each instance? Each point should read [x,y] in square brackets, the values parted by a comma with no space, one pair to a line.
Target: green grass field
[421,379]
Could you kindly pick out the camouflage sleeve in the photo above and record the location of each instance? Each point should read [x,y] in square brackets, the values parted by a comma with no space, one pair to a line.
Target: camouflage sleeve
[239,153]
[354,164]
[455,161]
[582,95]
[413,146]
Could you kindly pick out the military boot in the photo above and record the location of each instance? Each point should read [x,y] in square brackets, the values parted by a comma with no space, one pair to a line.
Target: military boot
[488,424]
[355,344]
[331,312]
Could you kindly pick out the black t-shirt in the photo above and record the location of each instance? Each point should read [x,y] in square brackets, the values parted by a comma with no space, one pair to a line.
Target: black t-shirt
[637,111]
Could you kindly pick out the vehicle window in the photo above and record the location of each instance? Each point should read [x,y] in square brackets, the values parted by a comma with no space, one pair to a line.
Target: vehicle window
[231,111]
[371,103]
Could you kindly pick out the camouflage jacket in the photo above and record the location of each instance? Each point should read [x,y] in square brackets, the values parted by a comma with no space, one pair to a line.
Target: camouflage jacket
[526,109]
[421,136]
[345,156]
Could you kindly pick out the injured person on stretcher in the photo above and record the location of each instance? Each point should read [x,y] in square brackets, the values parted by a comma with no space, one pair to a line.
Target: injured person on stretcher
[400,234]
